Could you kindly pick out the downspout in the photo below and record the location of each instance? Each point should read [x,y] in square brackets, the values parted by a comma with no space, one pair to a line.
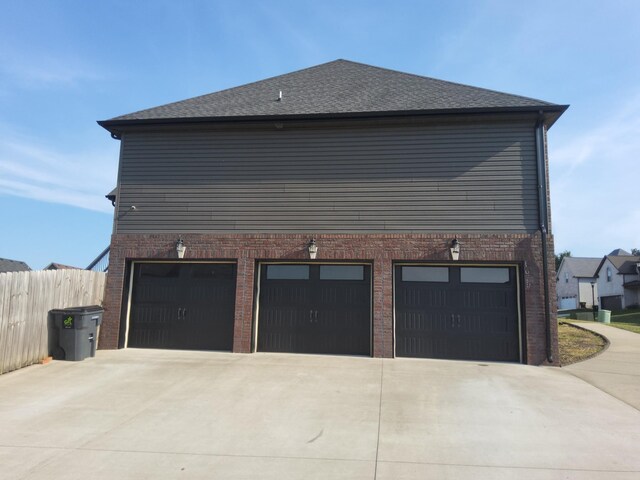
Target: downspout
[543,223]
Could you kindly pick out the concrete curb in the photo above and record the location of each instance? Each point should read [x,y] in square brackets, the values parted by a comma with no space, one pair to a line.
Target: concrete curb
[607,343]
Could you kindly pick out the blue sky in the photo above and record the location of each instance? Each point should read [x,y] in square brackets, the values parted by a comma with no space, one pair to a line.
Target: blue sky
[66,64]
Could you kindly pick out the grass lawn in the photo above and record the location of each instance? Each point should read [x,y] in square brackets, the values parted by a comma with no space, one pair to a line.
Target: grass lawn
[626,319]
[577,344]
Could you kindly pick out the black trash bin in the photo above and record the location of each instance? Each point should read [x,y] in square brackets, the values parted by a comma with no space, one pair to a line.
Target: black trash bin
[76,332]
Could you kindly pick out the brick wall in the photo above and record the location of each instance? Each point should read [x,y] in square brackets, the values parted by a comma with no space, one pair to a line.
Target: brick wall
[379,249]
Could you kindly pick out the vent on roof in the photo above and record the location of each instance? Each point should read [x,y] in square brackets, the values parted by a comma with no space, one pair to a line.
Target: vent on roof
[280,95]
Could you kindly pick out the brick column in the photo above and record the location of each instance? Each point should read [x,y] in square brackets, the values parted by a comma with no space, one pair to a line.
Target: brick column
[243,321]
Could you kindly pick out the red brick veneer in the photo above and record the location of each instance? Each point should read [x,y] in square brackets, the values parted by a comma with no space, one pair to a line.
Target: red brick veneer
[381,250]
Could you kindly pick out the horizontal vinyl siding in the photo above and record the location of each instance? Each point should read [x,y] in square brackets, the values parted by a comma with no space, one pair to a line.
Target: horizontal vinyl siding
[461,178]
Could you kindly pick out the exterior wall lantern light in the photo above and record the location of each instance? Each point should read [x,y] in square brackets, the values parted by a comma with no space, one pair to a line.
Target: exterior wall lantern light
[313,249]
[455,249]
[180,248]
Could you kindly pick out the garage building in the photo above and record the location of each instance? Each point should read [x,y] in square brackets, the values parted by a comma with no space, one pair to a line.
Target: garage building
[342,209]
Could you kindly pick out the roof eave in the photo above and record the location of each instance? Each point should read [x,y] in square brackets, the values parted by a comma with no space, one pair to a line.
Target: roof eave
[551,113]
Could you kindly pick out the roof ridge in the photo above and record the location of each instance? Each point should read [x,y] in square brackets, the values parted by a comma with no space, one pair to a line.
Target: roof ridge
[583,258]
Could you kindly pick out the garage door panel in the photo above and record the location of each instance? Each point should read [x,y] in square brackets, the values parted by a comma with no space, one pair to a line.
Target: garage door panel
[415,296]
[611,303]
[182,306]
[341,330]
[432,346]
[472,319]
[153,325]
[281,341]
[315,309]
[412,322]
[160,292]
[285,294]
[568,303]
[488,348]
[344,296]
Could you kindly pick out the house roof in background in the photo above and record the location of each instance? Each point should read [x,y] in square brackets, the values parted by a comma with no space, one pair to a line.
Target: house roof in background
[582,267]
[625,264]
[619,251]
[7,265]
[338,88]
[60,266]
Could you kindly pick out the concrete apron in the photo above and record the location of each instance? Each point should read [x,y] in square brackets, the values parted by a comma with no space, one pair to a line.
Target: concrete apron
[134,414]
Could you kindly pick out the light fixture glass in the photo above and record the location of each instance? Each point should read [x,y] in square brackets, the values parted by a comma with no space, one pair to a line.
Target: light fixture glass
[455,249]
[313,249]
[180,248]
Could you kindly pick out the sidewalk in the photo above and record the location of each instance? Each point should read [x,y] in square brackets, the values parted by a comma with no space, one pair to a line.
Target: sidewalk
[616,370]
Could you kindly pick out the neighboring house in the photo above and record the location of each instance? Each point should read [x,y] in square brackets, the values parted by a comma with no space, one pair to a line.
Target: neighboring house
[7,265]
[59,266]
[576,285]
[339,209]
[619,281]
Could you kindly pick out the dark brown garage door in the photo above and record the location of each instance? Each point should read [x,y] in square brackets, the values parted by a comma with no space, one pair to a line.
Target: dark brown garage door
[457,312]
[611,303]
[187,306]
[315,309]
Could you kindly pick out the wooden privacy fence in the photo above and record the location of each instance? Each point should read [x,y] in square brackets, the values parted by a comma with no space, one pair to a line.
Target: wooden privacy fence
[25,301]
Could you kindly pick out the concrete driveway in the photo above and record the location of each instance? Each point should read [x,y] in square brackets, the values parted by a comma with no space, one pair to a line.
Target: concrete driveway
[137,414]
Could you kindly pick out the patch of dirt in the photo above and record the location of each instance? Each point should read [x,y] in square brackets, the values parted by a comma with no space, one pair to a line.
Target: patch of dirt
[577,344]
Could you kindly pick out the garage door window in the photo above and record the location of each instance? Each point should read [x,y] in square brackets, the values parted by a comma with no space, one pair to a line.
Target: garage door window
[214,271]
[288,272]
[341,272]
[425,274]
[484,275]
[159,270]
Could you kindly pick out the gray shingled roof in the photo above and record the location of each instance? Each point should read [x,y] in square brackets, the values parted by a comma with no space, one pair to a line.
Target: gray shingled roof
[7,265]
[582,267]
[60,266]
[624,263]
[619,251]
[336,88]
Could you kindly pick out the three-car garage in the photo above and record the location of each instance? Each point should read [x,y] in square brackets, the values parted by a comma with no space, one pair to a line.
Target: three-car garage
[445,311]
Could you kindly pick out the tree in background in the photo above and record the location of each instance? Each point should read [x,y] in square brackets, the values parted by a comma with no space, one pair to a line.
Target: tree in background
[560,256]
[635,251]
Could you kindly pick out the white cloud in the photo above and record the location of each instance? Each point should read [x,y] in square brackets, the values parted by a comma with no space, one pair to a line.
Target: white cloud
[616,138]
[81,179]
[35,70]
[595,185]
